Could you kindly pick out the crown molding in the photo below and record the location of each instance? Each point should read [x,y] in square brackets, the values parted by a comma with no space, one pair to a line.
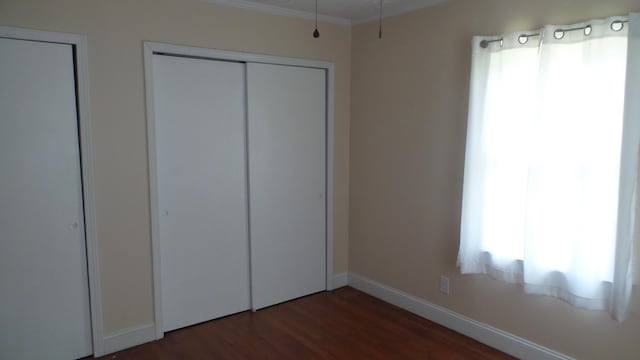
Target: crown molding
[277,10]
[397,10]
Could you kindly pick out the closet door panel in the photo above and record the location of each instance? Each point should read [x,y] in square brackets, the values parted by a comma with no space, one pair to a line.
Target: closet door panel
[44,294]
[286,132]
[202,203]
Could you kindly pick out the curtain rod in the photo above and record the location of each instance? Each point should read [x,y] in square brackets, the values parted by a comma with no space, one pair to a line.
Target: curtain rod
[558,34]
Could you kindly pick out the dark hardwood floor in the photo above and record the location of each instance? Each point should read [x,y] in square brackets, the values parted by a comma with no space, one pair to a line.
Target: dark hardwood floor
[342,324]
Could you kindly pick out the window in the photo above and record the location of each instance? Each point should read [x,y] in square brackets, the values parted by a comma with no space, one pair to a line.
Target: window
[551,161]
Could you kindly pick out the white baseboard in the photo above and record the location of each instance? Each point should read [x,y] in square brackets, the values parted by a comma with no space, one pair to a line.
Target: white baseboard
[486,334]
[340,280]
[129,338]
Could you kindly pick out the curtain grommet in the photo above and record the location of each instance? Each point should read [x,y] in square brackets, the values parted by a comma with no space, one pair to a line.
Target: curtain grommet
[617,25]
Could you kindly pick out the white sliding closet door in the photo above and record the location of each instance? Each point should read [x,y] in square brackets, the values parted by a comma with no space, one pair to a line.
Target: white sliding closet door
[44,294]
[199,110]
[286,132]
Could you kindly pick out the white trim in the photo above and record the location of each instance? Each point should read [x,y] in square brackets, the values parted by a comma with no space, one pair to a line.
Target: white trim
[129,338]
[215,54]
[95,289]
[79,43]
[152,47]
[486,334]
[329,175]
[398,9]
[340,280]
[39,35]
[153,191]
[278,10]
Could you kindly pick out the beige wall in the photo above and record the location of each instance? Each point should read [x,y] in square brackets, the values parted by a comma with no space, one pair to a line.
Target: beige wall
[409,95]
[408,126]
[115,30]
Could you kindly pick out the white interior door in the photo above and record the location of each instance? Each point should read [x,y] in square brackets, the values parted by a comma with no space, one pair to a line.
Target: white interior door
[44,301]
[286,132]
[201,180]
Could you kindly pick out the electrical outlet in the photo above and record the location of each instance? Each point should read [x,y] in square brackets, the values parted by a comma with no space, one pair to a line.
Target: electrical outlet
[444,285]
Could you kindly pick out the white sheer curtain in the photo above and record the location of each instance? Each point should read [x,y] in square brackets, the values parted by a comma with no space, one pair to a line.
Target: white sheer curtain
[550,174]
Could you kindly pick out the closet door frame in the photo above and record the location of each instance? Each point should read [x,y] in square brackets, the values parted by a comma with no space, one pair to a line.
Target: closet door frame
[80,55]
[151,48]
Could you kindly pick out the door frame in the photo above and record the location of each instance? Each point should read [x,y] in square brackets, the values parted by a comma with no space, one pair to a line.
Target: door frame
[80,55]
[151,48]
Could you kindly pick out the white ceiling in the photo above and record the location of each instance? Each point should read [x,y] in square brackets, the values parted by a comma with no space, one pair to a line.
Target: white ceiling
[345,12]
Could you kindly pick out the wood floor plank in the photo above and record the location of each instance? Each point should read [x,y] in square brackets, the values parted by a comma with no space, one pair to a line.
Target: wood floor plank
[342,324]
